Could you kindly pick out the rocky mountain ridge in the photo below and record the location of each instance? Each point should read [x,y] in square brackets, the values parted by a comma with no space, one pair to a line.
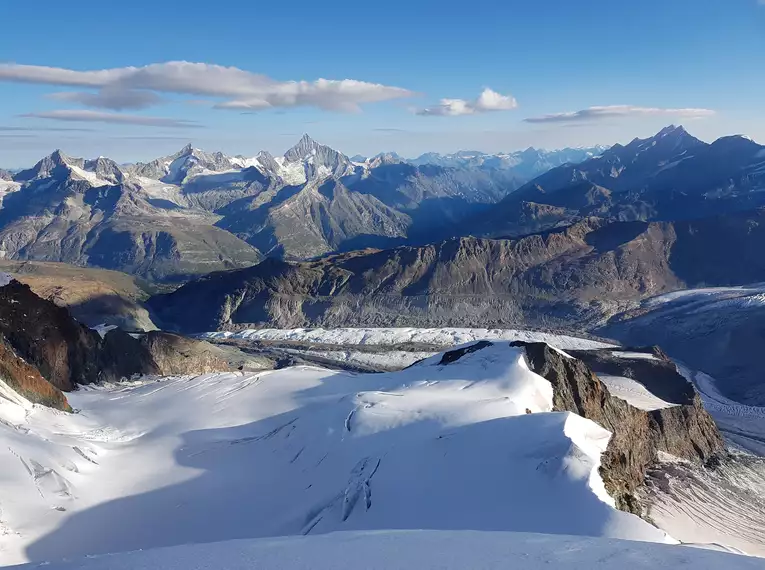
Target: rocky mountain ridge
[670,176]
[44,351]
[193,211]
[569,277]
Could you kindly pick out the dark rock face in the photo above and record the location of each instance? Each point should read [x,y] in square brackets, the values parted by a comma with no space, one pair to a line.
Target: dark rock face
[67,353]
[46,336]
[686,430]
[122,356]
[26,380]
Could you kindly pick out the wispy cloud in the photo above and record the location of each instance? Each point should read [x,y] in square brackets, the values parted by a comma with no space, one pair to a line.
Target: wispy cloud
[45,129]
[18,135]
[111,98]
[611,111]
[115,118]
[488,100]
[149,138]
[119,88]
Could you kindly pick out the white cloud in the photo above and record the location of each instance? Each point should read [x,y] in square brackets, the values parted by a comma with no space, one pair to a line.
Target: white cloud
[241,89]
[610,111]
[488,100]
[116,118]
[110,98]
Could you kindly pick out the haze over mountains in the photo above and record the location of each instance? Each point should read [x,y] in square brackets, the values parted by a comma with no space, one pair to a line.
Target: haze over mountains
[194,211]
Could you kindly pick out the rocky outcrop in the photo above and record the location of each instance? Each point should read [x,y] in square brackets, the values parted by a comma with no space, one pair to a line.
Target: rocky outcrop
[93,296]
[46,336]
[67,353]
[684,430]
[178,355]
[27,382]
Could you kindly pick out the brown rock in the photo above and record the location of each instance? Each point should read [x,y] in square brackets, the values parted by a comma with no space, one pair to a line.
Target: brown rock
[46,336]
[685,430]
[27,381]
[178,355]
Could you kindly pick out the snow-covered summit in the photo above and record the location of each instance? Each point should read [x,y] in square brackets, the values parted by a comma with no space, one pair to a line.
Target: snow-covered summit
[467,442]
[318,160]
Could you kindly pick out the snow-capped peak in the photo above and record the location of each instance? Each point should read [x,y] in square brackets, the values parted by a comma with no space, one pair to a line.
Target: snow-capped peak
[318,160]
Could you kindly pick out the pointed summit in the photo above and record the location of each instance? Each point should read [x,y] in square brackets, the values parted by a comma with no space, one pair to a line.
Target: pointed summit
[46,167]
[305,147]
[318,159]
[668,142]
[670,129]
[58,157]
[187,150]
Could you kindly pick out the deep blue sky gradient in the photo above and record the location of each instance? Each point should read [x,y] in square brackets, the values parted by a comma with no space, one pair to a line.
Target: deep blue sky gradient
[551,55]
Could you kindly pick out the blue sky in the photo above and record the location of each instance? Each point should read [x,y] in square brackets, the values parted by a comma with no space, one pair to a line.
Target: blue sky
[541,65]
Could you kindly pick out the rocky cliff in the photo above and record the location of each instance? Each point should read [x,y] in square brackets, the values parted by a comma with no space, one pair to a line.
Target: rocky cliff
[44,351]
[684,429]
[26,380]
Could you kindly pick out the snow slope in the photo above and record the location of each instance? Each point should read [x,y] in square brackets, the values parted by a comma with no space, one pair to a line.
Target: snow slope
[421,550]
[392,336]
[634,393]
[298,451]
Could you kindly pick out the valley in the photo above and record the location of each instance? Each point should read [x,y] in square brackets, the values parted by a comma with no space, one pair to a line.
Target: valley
[360,358]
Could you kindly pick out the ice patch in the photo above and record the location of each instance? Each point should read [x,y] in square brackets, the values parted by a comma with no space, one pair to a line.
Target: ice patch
[633,355]
[91,177]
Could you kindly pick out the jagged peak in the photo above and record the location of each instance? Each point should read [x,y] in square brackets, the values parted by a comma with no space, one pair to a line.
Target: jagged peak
[306,138]
[672,130]
[59,157]
[303,148]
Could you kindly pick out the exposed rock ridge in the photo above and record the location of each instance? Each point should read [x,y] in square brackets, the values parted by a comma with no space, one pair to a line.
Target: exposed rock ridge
[52,345]
[685,430]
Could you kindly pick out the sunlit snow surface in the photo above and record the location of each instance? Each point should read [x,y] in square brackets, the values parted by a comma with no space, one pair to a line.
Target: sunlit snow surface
[302,451]
[419,550]
[392,336]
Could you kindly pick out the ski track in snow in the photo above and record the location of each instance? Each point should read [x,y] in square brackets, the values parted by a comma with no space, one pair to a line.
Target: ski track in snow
[302,450]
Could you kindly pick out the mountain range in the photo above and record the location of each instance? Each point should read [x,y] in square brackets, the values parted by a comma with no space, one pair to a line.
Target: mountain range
[669,176]
[193,212]
[575,276]
[515,429]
